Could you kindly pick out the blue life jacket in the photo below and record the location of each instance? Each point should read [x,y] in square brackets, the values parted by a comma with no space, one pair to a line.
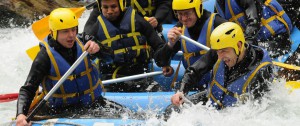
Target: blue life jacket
[145,7]
[228,96]
[191,52]
[81,87]
[128,44]
[274,21]
[233,12]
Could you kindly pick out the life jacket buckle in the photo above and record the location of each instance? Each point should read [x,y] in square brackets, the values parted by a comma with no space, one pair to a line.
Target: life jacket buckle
[78,94]
[123,36]
[75,76]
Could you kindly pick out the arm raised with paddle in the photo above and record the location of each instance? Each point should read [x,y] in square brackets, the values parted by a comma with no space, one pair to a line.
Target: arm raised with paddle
[61,62]
[247,68]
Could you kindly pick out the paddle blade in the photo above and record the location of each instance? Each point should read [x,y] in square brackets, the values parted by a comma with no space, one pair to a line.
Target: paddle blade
[284,65]
[41,27]
[292,85]
[33,51]
[8,97]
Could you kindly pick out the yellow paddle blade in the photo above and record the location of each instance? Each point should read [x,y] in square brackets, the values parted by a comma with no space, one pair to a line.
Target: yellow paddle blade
[33,51]
[288,66]
[41,27]
[292,85]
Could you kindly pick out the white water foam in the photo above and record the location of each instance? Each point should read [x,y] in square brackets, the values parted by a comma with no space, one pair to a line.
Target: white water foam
[278,108]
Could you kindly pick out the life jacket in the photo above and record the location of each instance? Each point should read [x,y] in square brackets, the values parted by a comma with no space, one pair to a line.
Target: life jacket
[274,21]
[128,44]
[144,7]
[191,52]
[233,12]
[227,96]
[81,87]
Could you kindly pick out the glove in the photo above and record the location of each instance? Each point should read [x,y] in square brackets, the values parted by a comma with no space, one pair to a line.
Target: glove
[168,71]
[251,30]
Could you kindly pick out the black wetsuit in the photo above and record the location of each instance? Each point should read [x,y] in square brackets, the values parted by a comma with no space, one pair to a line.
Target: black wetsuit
[41,68]
[250,10]
[258,85]
[292,7]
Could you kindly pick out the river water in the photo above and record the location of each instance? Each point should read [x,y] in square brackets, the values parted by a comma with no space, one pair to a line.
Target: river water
[279,108]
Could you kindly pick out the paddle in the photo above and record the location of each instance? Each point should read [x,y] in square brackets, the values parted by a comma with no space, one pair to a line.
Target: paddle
[33,51]
[288,66]
[8,97]
[41,28]
[14,96]
[57,85]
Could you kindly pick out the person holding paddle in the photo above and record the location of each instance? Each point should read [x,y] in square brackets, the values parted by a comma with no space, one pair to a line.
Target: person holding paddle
[241,71]
[59,50]
[195,23]
[269,24]
[133,41]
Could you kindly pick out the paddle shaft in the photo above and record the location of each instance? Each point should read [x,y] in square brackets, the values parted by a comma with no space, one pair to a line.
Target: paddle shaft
[57,85]
[133,77]
[8,97]
[14,96]
[195,43]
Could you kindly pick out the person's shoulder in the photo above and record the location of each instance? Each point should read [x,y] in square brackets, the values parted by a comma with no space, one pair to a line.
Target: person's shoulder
[206,14]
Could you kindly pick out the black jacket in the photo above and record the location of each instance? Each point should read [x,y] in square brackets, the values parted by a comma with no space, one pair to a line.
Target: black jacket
[161,11]
[291,7]
[250,9]
[41,68]
[168,53]
[252,58]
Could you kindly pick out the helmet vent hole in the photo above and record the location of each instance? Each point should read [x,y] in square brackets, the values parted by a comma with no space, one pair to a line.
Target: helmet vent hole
[74,17]
[233,36]
[191,1]
[229,32]
[61,20]
[218,40]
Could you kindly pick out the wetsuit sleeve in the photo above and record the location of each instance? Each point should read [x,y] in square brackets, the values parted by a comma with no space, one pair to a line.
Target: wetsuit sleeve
[39,69]
[219,20]
[195,72]
[162,10]
[164,55]
[91,26]
[260,83]
[153,39]
[105,52]
[252,16]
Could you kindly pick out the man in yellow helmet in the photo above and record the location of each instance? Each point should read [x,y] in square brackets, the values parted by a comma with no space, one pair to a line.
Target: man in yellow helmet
[240,70]
[195,23]
[132,39]
[59,51]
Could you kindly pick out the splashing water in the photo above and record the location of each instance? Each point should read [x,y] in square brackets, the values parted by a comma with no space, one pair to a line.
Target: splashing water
[278,108]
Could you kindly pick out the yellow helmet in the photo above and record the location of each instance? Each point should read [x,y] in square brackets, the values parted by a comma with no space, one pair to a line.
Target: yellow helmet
[62,18]
[227,35]
[188,4]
